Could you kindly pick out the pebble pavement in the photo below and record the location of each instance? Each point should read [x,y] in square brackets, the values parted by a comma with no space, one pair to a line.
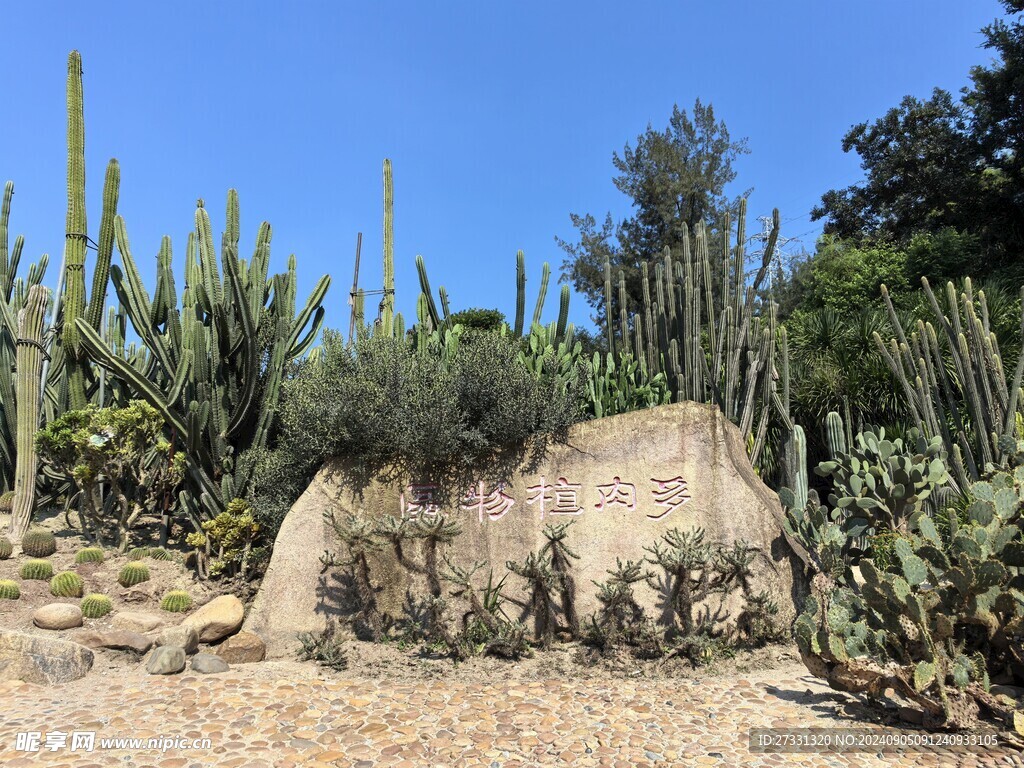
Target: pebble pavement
[260,716]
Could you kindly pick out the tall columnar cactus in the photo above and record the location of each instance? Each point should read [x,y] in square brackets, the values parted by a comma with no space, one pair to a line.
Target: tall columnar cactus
[206,373]
[29,371]
[835,434]
[387,304]
[974,409]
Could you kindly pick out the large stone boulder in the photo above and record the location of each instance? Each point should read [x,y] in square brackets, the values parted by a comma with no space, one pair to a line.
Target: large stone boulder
[243,648]
[40,659]
[115,639]
[57,616]
[219,618]
[166,660]
[624,480]
[137,621]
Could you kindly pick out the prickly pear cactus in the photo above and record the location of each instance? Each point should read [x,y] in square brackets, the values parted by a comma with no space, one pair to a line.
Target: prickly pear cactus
[38,543]
[67,584]
[949,609]
[133,573]
[96,606]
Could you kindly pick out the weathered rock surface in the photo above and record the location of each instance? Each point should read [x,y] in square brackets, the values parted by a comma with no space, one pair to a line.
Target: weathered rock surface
[625,481]
[243,648]
[219,618]
[166,660]
[181,636]
[58,616]
[115,639]
[42,660]
[209,664]
[137,621]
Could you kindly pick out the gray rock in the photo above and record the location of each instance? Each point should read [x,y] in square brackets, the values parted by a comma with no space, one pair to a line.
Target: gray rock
[115,639]
[166,660]
[243,648]
[181,636]
[137,621]
[58,616]
[209,664]
[219,618]
[42,660]
[1008,690]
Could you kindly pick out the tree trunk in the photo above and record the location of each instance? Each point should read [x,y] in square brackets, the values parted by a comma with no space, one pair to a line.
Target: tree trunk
[29,364]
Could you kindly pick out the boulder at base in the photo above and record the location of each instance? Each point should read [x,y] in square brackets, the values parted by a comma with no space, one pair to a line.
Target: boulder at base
[219,618]
[40,659]
[625,481]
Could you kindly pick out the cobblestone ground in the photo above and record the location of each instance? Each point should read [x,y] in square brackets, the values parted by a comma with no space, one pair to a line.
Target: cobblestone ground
[265,715]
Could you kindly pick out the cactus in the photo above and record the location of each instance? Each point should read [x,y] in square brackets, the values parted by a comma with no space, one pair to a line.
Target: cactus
[29,369]
[836,435]
[96,606]
[206,375]
[66,584]
[6,502]
[6,548]
[9,590]
[137,553]
[938,620]
[133,573]
[36,569]
[89,555]
[158,553]
[387,304]
[38,543]
[176,601]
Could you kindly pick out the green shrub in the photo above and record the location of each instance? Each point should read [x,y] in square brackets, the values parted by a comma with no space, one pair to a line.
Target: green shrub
[6,548]
[36,569]
[89,555]
[133,573]
[96,606]
[176,601]
[38,543]
[9,590]
[67,584]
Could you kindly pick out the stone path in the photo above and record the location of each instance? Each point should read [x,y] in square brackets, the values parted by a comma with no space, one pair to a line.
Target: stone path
[267,715]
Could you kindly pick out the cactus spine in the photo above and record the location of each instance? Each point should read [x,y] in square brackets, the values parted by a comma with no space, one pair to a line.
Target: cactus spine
[38,570]
[176,601]
[6,548]
[9,590]
[66,584]
[38,543]
[89,555]
[29,368]
[133,573]
[96,606]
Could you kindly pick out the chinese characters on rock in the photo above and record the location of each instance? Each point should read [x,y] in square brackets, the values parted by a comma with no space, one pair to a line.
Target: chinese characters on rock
[561,497]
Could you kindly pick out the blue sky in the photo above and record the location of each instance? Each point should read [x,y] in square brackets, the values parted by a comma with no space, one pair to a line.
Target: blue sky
[500,118]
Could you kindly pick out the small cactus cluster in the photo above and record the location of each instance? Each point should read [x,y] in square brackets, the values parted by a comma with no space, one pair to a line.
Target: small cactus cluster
[6,502]
[6,548]
[159,553]
[133,573]
[948,610]
[9,590]
[176,601]
[67,584]
[89,555]
[137,553]
[39,543]
[96,606]
[36,569]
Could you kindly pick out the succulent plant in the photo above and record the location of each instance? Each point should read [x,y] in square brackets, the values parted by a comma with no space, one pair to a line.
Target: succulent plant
[159,553]
[36,569]
[949,609]
[38,543]
[176,601]
[96,606]
[6,548]
[89,555]
[9,590]
[133,573]
[67,584]
[137,553]
[6,502]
